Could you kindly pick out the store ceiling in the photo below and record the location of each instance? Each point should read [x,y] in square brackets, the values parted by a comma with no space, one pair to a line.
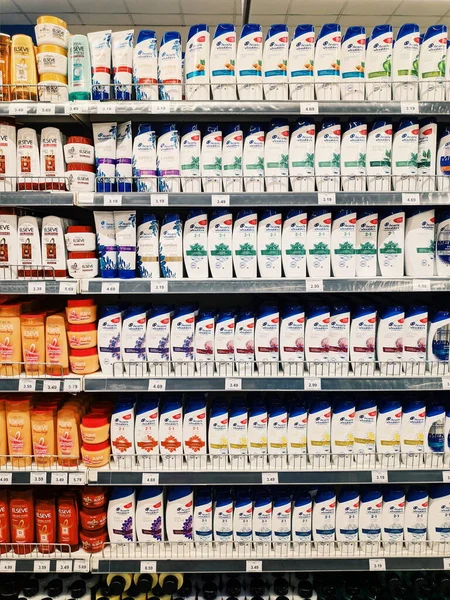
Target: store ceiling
[90,15]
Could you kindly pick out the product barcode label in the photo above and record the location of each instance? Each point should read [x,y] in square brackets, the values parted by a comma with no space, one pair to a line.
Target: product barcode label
[309,108]
[85,198]
[51,386]
[253,566]
[421,285]
[410,199]
[313,384]
[380,476]
[106,108]
[148,566]
[38,478]
[377,564]
[45,109]
[220,200]
[233,384]
[159,286]
[7,566]
[150,478]
[41,566]
[18,109]
[63,566]
[314,285]
[110,287]
[80,566]
[59,479]
[269,478]
[67,287]
[160,107]
[159,199]
[27,385]
[326,198]
[157,385]
[5,478]
[77,478]
[112,200]
[446,476]
[409,108]
[73,386]
[36,287]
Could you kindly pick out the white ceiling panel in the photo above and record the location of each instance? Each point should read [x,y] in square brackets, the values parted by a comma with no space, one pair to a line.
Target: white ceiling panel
[268,7]
[207,7]
[7,6]
[423,7]
[316,20]
[316,7]
[100,6]
[45,6]
[150,7]
[371,7]
[106,19]
[210,20]
[397,21]
[368,22]
[16,19]
[150,20]
[69,18]
[267,19]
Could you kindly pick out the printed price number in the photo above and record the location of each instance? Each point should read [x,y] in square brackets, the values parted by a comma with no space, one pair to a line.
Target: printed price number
[159,199]
[313,384]
[63,566]
[36,287]
[269,478]
[410,199]
[5,478]
[309,108]
[377,564]
[72,386]
[7,566]
[446,383]
[157,385]
[409,108]
[159,286]
[77,478]
[160,107]
[112,200]
[38,478]
[380,476]
[80,566]
[328,198]
[59,479]
[27,385]
[253,566]
[148,566]
[45,109]
[110,287]
[446,476]
[18,109]
[150,478]
[51,386]
[314,285]
[220,200]
[106,108]
[233,384]
[75,108]
[421,285]
[41,566]
[67,287]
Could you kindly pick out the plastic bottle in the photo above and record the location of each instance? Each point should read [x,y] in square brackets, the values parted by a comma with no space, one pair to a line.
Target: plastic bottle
[343,241]
[79,68]
[353,157]
[245,244]
[150,515]
[224,342]
[434,442]
[342,432]
[431,71]
[203,516]
[301,156]
[390,339]
[438,531]
[292,340]
[415,340]
[405,152]
[223,516]
[196,64]
[253,159]
[366,243]
[133,341]
[364,432]
[168,158]
[419,243]
[249,63]
[237,434]
[393,517]
[262,518]
[211,159]
[296,435]
[370,517]
[379,157]
[443,161]
[145,65]
[232,158]
[121,515]
[302,518]
[269,244]
[157,340]
[179,514]
[293,244]
[347,517]
[281,518]
[391,240]
[426,165]
[171,247]
[194,431]
[319,432]
[244,342]
[190,158]
[327,60]
[274,63]
[389,424]
[443,244]
[218,434]
[416,515]
[318,242]
[122,432]
[243,516]
[182,339]
[257,433]
[171,431]
[324,517]
[405,62]
[338,339]
[267,339]
[327,158]
[146,432]
[195,244]
[353,60]
[220,239]
[317,333]
[144,159]
[223,62]
[276,156]
[411,438]
[438,342]
[277,434]
[378,67]
[204,342]
[301,63]
[169,67]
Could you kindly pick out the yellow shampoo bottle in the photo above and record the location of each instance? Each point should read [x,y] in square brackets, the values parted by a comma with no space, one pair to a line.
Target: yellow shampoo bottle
[18,425]
[23,68]
[57,355]
[3,435]
[33,343]
[10,341]
[43,436]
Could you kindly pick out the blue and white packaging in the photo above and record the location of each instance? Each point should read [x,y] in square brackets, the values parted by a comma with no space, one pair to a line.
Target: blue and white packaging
[393,519]
[301,156]
[277,434]
[238,434]
[182,339]
[347,517]
[224,342]
[147,249]
[171,431]
[438,517]
[276,156]
[319,432]
[378,67]
[105,135]
[125,226]
[327,58]
[145,65]
[281,518]
[211,158]
[390,339]
[196,63]
[218,434]
[223,62]
[432,58]
[179,514]
[203,516]
[171,247]
[249,62]
[157,340]
[253,159]
[364,431]
[443,242]
[150,515]
[339,339]
[170,73]
[106,243]
[146,432]
[370,518]
[244,342]
[133,341]
[353,60]
[204,342]
[223,516]
[262,520]
[292,340]
[434,441]
[124,152]
[190,158]
[232,150]
[144,159]
[405,63]
[168,158]
[416,515]
[412,433]
[301,63]
[362,339]
[324,517]
[342,431]
[243,517]
[257,433]
[109,334]
[389,427]
[274,63]
[302,518]
[296,436]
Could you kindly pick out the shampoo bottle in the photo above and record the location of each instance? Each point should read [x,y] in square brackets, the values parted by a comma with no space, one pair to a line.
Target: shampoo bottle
[171,431]
[267,336]
[211,159]
[370,518]
[353,60]
[269,244]
[391,239]
[301,156]
[438,531]
[317,333]
[218,434]
[122,432]
[145,65]
[249,63]
[277,435]
[79,68]
[302,519]
[168,158]
[438,342]
[319,432]
[292,340]
[243,516]
[327,61]
[405,152]
[347,517]
[253,159]
[318,241]
[338,339]
[144,159]
[179,514]
[416,515]
[324,518]
[223,62]
[109,331]
[146,433]
[203,516]
[415,340]
[426,165]
[443,243]
[301,63]
[293,244]
[232,158]
[434,443]
[224,342]
[393,518]
[364,432]
[121,515]
[195,244]
[432,57]
[244,343]
[411,439]
[190,158]
[171,247]
[274,63]
[169,67]
[276,156]
[353,157]
[281,519]
[327,157]
[220,244]
[390,340]
[133,341]
[262,520]
[157,340]
[150,515]
[343,241]
[419,243]
[443,161]
[182,339]
[378,67]
[245,244]
[389,426]
[342,432]
[366,243]
[147,250]
[379,157]
[223,516]
[257,433]
[204,342]
[296,436]
[405,63]
[196,64]
[194,431]
[237,434]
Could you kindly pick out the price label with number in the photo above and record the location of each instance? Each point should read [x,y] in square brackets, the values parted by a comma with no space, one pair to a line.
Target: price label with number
[7,566]
[27,385]
[5,478]
[160,107]
[313,384]
[150,478]
[328,198]
[159,199]
[377,564]
[51,386]
[38,478]
[269,478]
[110,287]
[220,200]
[112,200]
[77,478]
[80,566]
[36,287]
[309,108]
[157,385]
[380,476]
[410,199]
[67,287]
[41,566]
[314,285]
[253,566]
[159,286]
[73,386]
[421,285]
[59,479]
[18,109]
[45,109]
[106,108]
[148,566]
[233,384]
[76,108]
[63,566]
[409,108]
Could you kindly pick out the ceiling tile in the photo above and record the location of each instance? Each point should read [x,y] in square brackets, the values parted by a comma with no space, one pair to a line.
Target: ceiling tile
[151,20]
[316,7]
[316,20]
[397,21]
[7,6]
[267,7]
[419,7]
[105,20]
[210,20]
[100,6]
[207,7]
[69,18]
[267,19]
[368,22]
[45,6]
[363,7]
[16,19]
[150,7]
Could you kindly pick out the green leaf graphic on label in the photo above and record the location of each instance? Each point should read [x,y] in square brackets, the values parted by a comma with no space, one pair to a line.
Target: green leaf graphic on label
[271,250]
[345,248]
[391,248]
[246,250]
[221,250]
[320,248]
[296,249]
[196,250]
[366,248]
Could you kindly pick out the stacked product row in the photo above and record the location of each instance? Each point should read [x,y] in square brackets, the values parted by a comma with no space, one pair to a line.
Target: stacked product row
[279,432]
[391,515]
[320,243]
[327,340]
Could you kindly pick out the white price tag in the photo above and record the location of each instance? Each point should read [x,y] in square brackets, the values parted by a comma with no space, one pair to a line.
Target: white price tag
[313,384]
[309,108]
[45,109]
[150,478]
[38,478]
[220,200]
[314,285]
[377,564]
[76,108]
[110,287]
[73,386]
[106,108]
[157,385]
[446,383]
[7,566]
[77,478]
[18,109]
[59,479]
[380,476]
[63,566]
[51,386]
[446,476]
[36,287]
[5,478]
[253,566]
[409,108]
[27,385]
[67,287]
[85,198]
[160,107]
[269,478]
[159,286]
[410,199]
[41,566]
[148,566]
[421,285]
[233,384]
[446,562]
[80,566]
[326,198]
[112,200]
[159,199]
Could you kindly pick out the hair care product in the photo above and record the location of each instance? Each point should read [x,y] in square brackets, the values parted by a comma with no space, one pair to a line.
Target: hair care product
[249,63]
[327,60]
[274,63]
[223,62]
[353,60]
[121,515]
[301,63]
[378,67]
[150,515]
[196,63]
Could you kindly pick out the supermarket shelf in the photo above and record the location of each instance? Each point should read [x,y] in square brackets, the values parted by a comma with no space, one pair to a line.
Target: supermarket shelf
[38,286]
[35,475]
[71,384]
[283,285]
[26,558]
[37,199]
